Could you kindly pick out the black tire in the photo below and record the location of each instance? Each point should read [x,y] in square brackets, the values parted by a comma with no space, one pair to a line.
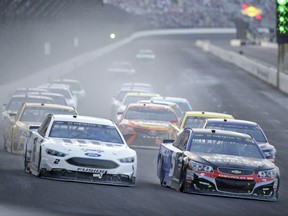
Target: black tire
[182,182]
[162,173]
[39,171]
[25,159]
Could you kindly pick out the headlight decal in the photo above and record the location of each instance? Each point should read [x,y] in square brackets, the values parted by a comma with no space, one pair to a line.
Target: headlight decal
[267,173]
[200,167]
[127,160]
[55,153]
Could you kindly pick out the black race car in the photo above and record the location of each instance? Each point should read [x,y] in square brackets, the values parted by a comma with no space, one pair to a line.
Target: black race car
[216,162]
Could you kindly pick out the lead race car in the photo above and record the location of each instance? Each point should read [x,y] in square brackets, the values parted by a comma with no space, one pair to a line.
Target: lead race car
[80,148]
[217,162]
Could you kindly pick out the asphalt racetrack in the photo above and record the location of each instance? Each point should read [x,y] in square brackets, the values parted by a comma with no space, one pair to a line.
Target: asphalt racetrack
[182,70]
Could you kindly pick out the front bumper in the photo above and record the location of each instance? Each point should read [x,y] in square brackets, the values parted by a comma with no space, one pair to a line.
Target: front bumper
[237,188]
[105,178]
[88,170]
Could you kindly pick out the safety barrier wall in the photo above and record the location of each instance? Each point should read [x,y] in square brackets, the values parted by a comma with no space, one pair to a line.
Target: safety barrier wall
[261,70]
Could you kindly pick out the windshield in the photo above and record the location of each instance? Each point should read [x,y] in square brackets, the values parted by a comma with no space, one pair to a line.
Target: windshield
[255,132]
[15,103]
[193,122]
[38,114]
[89,131]
[225,145]
[151,114]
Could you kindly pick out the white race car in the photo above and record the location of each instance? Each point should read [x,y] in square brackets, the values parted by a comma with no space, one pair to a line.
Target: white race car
[80,148]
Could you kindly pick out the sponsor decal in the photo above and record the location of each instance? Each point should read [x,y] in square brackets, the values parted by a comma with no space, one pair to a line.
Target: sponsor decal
[153,132]
[92,150]
[236,172]
[232,160]
[96,172]
[235,177]
[92,154]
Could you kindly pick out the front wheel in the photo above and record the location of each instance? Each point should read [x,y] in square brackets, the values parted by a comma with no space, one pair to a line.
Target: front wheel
[161,171]
[182,181]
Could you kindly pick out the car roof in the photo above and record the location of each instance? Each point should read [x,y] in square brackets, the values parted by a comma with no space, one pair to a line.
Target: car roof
[56,106]
[46,93]
[232,121]
[136,84]
[31,96]
[150,105]
[220,132]
[66,80]
[176,99]
[83,119]
[206,114]
[141,94]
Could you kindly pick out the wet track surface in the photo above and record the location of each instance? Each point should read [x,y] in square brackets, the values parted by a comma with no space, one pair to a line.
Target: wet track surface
[181,69]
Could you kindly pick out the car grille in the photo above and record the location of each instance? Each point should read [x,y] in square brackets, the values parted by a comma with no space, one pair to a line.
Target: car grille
[235,185]
[92,163]
[235,171]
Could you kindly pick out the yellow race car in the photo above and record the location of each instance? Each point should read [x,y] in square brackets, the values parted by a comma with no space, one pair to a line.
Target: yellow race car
[29,115]
[193,119]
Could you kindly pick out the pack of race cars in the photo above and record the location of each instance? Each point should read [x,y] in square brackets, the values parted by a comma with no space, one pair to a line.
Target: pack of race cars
[200,152]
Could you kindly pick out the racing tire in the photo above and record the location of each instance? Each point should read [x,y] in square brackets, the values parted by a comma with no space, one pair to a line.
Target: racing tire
[162,173]
[40,172]
[277,193]
[182,182]
[25,160]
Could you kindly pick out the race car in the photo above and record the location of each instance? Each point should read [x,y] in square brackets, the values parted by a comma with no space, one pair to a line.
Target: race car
[145,56]
[132,97]
[216,162]
[137,85]
[243,126]
[29,114]
[80,148]
[183,103]
[173,105]
[15,102]
[146,124]
[65,90]
[74,85]
[119,96]
[121,68]
[194,119]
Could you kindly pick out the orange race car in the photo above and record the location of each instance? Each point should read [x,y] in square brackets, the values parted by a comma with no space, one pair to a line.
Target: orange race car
[146,124]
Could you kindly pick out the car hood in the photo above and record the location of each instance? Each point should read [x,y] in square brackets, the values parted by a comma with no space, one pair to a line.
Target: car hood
[230,161]
[146,124]
[88,147]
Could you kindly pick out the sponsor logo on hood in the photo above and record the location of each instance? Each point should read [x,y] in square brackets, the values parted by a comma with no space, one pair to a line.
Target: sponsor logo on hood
[232,160]
[92,154]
